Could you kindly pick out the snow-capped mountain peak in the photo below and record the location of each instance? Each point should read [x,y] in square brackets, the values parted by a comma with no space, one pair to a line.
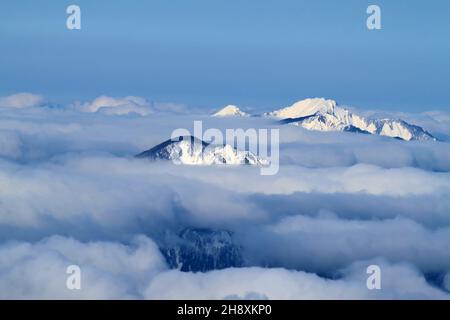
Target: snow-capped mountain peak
[230,111]
[192,151]
[325,115]
[304,108]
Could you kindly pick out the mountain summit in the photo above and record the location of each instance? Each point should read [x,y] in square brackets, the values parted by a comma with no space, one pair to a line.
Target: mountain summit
[193,151]
[230,111]
[325,115]
[304,108]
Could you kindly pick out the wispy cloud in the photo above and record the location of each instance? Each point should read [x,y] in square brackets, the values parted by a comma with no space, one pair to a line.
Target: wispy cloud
[21,100]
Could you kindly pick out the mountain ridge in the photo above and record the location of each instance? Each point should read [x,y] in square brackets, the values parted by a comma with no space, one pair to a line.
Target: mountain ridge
[320,114]
[193,151]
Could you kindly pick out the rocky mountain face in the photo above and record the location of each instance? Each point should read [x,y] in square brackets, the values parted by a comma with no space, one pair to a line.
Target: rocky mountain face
[195,249]
[192,151]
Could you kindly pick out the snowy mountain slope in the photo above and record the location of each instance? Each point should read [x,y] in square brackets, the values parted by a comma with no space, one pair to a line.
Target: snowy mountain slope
[230,111]
[304,108]
[192,151]
[324,115]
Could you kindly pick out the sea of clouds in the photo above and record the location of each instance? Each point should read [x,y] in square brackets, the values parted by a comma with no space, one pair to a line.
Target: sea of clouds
[71,192]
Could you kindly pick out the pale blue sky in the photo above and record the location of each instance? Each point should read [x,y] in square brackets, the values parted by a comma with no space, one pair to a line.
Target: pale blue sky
[211,52]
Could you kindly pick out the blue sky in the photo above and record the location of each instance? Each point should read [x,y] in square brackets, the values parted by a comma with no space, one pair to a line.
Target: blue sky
[254,53]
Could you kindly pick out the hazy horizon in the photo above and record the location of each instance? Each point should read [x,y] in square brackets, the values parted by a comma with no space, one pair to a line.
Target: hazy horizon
[255,54]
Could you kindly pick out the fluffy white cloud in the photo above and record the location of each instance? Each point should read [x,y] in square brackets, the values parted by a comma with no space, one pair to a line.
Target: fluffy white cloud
[111,270]
[118,106]
[128,105]
[324,243]
[398,282]
[112,198]
[21,100]
[108,270]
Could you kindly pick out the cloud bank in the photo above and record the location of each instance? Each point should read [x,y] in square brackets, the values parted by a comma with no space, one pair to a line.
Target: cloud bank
[71,192]
[138,271]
